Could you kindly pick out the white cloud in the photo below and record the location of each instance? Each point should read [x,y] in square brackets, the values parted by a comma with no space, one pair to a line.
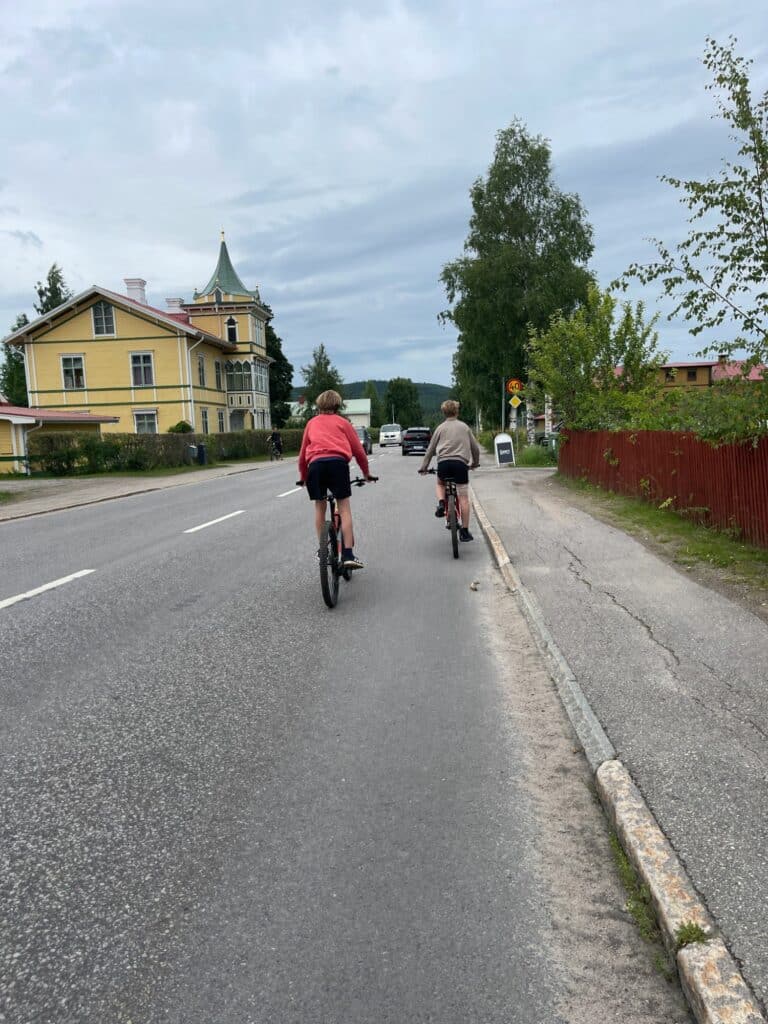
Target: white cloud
[336,144]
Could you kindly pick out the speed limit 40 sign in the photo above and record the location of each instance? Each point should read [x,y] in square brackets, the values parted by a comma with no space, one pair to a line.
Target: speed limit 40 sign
[513,385]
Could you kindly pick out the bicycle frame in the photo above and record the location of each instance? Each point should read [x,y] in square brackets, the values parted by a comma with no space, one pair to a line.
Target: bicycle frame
[452,510]
[331,550]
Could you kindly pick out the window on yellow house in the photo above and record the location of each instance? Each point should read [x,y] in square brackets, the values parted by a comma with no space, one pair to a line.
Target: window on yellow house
[222,422]
[262,378]
[217,369]
[201,370]
[239,376]
[691,376]
[73,373]
[146,422]
[103,319]
[232,330]
[204,418]
[142,372]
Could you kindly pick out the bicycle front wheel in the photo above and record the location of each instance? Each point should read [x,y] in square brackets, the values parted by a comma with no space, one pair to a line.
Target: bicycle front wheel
[329,566]
[453,523]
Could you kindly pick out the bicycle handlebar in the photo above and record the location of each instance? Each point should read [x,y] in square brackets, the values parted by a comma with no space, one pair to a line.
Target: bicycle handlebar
[359,481]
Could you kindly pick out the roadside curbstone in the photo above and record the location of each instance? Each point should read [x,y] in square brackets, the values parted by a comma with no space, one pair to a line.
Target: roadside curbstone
[674,898]
[714,987]
[710,977]
[597,747]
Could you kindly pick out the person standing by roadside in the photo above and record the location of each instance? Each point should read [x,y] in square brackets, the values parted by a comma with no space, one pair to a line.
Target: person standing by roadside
[457,452]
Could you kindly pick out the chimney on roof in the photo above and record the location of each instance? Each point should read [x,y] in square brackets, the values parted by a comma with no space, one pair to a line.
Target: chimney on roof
[174,305]
[722,358]
[136,289]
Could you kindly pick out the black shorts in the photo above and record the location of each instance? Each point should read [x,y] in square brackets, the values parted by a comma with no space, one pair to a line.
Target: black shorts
[453,468]
[328,474]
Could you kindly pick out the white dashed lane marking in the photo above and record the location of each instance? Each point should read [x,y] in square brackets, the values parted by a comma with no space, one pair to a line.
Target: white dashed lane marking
[8,601]
[213,522]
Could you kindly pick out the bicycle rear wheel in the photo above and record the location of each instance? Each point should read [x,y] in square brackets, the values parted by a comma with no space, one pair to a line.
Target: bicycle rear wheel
[453,524]
[329,566]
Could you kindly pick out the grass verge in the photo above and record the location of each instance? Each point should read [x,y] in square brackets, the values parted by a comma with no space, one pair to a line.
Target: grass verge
[5,496]
[640,907]
[714,558]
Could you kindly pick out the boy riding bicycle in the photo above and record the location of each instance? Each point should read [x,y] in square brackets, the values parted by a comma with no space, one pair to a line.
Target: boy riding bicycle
[328,444]
[457,452]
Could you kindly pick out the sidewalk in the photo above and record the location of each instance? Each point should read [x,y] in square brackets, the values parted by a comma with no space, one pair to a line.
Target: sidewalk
[677,678]
[35,496]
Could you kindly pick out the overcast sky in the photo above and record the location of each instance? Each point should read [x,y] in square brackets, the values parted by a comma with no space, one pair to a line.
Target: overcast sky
[336,143]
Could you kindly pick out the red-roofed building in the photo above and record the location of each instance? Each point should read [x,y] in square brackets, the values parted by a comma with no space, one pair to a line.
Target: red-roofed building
[18,422]
[704,373]
[141,369]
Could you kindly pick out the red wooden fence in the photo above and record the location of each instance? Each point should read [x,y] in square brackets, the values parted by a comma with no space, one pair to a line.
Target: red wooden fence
[725,487]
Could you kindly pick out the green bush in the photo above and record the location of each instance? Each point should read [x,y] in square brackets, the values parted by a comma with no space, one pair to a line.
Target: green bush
[182,427]
[55,453]
[65,453]
[537,455]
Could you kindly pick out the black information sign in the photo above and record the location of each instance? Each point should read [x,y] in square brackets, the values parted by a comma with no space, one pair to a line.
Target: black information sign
[504,452]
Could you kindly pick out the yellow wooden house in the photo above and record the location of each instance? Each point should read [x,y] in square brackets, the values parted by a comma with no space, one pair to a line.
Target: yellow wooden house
[106,354]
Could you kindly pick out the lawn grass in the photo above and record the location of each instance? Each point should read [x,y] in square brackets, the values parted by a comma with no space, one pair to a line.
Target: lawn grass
[688,544]
[5,496]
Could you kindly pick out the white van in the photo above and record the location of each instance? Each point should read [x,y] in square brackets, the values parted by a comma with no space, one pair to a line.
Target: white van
[390,433]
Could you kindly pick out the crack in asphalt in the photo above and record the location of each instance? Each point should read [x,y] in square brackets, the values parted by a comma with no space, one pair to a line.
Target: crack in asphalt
[638,619]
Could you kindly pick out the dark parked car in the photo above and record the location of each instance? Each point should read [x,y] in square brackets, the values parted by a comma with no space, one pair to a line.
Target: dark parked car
[365,439]
[416,440]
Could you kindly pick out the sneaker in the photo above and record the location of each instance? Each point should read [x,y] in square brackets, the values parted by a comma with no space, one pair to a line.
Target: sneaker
[350,562]
[440,510]
[464,534]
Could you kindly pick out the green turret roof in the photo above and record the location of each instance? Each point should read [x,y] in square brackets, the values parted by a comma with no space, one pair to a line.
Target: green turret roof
[226,278]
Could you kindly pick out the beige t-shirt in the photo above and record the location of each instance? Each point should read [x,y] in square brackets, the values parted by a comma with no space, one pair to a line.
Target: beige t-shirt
[453,440]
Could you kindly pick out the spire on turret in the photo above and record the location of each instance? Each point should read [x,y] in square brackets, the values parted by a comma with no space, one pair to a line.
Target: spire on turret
[225,277]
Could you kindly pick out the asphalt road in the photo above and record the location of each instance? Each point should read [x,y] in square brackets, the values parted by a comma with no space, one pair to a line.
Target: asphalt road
[678,677]
[220,801]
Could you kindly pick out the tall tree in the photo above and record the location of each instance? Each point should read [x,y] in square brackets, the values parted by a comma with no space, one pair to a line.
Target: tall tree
[319,375]
[377,409]
[717,275]
[13,380]
[594,366]
[53,291]
[401,401]
[280,378]
[524,258]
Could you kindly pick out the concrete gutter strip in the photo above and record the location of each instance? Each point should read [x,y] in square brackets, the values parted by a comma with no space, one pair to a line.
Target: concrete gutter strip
[710,977]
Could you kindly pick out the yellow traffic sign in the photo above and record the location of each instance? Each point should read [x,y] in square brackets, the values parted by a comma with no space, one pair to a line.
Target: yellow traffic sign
[515,401]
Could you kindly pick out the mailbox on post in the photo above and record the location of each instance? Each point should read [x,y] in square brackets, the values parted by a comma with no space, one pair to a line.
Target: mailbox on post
[505,451]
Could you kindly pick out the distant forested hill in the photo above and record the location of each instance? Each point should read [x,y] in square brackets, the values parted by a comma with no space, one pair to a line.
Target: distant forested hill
[430,395]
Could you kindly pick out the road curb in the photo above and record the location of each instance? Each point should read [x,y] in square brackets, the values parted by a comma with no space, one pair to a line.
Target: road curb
[711,980]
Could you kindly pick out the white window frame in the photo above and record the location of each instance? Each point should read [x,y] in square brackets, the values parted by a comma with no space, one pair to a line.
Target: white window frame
[142,366]
[204,421]
[111,308]
[72,355]
[144,412]
[201,369]
[222,422]
[262,378]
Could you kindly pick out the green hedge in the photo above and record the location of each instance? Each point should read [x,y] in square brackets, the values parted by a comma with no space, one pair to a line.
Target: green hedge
[64,453]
